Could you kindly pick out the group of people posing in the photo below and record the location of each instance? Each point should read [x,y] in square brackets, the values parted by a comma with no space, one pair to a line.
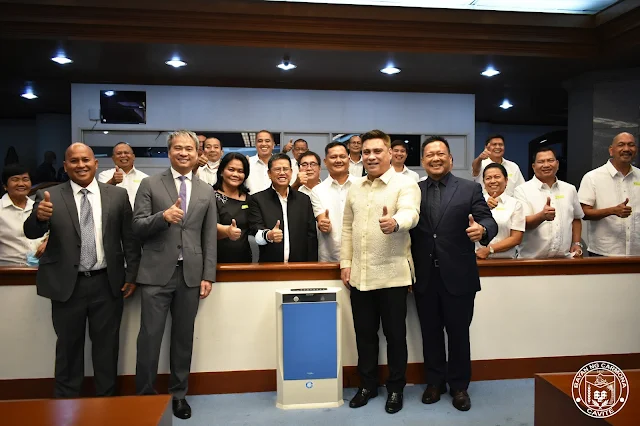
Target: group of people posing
[391,232]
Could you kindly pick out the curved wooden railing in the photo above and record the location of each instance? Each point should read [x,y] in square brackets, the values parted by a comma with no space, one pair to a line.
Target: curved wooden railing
[242,272]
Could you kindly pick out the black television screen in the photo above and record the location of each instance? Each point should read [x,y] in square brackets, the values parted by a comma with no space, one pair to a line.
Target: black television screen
[123,107]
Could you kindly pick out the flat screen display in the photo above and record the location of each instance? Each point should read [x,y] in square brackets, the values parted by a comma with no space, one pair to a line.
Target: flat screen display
[123,107]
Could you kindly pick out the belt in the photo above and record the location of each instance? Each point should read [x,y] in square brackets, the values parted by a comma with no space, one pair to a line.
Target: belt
[92,273]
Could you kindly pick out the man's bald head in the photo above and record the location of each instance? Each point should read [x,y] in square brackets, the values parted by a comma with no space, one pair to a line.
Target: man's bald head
[80,163]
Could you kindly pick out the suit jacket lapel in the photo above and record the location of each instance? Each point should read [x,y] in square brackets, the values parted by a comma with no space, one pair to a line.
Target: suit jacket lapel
[195,190]
[423,201]
[104,199]
[449,190]
[67,196]
[167,180]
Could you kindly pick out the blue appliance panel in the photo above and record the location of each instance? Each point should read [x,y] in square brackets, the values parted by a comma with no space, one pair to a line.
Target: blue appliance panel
[309,338]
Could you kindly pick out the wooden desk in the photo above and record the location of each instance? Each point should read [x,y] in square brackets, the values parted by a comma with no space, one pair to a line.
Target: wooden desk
[122,411]
[554,403]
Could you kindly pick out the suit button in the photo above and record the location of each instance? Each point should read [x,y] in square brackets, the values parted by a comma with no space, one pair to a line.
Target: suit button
[179,246]
[435,236]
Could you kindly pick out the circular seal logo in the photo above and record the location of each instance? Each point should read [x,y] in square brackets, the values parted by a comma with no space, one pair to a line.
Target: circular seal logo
[309,385]
[600,389]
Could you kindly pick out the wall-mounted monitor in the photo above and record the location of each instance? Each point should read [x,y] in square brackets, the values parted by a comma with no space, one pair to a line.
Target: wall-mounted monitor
[123,107]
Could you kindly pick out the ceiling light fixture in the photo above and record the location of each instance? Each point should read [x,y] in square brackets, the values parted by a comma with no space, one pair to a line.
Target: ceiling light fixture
[109,93]
[490,72]
[106,132]
[286,64]
[390,70]
[28,93]
[176,62]
[506,104]
[61,59]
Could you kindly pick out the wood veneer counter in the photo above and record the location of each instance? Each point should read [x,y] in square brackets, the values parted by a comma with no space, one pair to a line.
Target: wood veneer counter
[243,272]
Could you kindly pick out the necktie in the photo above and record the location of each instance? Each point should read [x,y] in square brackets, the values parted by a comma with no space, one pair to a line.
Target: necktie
[434,203]
[88,252]
[183,194]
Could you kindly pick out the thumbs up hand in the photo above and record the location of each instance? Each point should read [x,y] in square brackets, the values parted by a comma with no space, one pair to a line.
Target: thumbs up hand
[118,176]
[202,160]
[45,208]
[276,233]
[174,214]
[475,230]
[492,202]
[233,231]
[548,212]
[387,223]
[623,209]
[324,224]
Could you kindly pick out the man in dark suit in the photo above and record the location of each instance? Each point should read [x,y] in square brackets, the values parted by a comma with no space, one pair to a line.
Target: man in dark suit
[82,270]
[282,218]
[175,218]
[453,216]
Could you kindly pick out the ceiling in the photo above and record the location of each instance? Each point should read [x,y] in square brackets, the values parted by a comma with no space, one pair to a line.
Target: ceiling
[546,6]
[241,47]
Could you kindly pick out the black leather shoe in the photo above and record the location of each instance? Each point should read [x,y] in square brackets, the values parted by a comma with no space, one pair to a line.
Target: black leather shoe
[432,393]
[394,402]
[461,400]
[181,409]
[362,397]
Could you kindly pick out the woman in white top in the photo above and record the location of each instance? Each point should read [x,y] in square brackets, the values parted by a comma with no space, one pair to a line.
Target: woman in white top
[507,212]
[15,208]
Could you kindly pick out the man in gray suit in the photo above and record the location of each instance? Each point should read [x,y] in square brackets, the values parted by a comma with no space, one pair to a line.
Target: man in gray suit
[82,270]
[175,218]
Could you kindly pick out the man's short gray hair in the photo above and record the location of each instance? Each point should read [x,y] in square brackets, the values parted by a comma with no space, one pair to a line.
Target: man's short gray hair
[184,133]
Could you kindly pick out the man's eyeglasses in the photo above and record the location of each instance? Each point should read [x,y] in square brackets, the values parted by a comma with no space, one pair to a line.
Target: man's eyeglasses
[305,165]
[281,169]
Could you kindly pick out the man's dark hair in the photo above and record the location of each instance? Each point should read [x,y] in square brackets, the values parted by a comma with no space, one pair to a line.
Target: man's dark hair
[300,140]
[113,151]
[334,144]
[495,166]
[266,131]
[544,149]
[278,156]
[432,139]
[376,134]
[13,170]
[398,142]
[496,136]
[308,153]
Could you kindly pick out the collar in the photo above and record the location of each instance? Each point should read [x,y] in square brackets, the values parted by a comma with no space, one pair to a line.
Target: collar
[613,171]
[131,172]
[385,177]
[176,175]
[213,165]
[335,182]
[280,196]
[92,187]
[540,185]
[355,162]
[444,180]
[501,198]
[6,201]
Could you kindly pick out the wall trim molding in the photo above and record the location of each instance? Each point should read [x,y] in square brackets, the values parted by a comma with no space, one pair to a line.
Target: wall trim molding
[223,382]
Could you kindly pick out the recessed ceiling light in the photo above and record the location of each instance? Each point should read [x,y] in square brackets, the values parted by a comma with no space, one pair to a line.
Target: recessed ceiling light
[506,104]
[390,70]
[106,132]
[176,62]
[490,72]
[61,59]
[109,93]
[286,64]
[28,93]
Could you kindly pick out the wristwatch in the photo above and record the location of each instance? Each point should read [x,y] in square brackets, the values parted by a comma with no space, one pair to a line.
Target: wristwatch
[397,228]
[491,250]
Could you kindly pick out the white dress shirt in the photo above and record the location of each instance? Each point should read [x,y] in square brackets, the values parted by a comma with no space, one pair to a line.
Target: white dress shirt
[261,236]
[209,172]
[356,167]
[14,245]
[188,184]
[607,187]
[513,171]
[258,179]
[409,173]
[96,209]
[130,181]
[379,260]
[509,215]
[551,238]
[330,195]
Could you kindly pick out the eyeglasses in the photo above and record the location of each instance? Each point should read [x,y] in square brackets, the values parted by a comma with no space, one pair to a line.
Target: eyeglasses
[312,165]
[281,169]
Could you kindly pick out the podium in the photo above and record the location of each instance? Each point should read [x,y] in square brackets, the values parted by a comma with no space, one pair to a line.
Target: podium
[309,368]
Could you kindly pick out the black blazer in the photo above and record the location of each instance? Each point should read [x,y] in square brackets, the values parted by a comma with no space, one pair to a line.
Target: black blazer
[447,240]
[265,210]
[58,269]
